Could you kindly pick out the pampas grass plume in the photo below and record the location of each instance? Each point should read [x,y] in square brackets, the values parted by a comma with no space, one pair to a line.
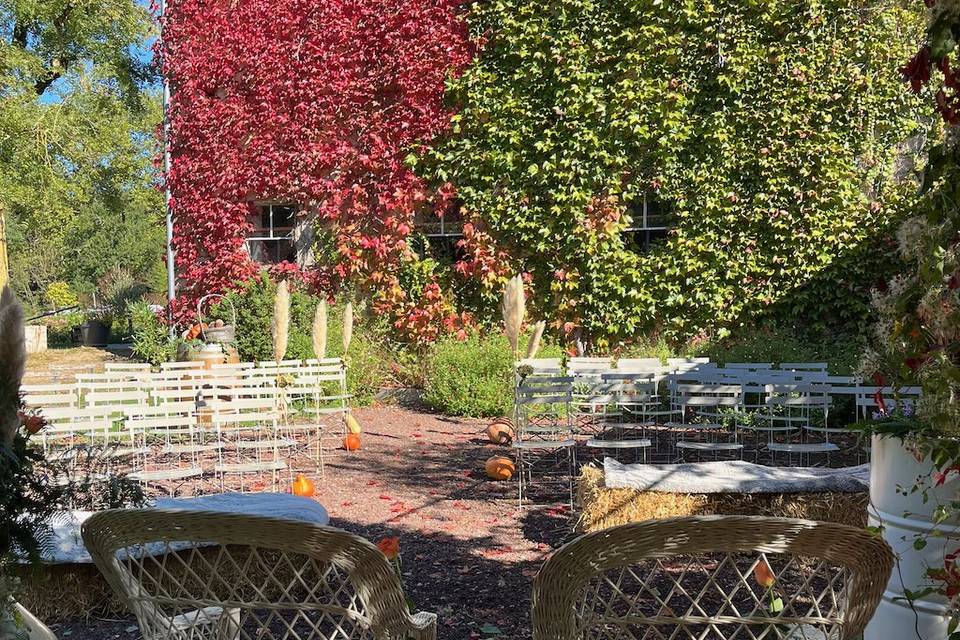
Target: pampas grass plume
[533,345]
[319,331]
[347,326]
[513,310]
[281,321]
[13,360]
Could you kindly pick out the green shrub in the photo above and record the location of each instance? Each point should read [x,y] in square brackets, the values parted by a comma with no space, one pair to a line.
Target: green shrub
[474,377]
[776,343]
[60,329]
[151,340]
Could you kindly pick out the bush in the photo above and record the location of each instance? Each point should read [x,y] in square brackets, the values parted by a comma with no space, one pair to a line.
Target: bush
[775,343]
[151,340]
[60,329]
[473,377]
[60,295]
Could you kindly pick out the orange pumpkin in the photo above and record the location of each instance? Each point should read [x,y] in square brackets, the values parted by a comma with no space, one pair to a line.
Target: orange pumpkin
[352,442]
[500,468]
[302,486]
[500,431]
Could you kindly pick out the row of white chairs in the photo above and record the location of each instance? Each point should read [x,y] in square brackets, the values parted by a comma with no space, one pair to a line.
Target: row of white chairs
[706,409]
[137,384]
[191,424]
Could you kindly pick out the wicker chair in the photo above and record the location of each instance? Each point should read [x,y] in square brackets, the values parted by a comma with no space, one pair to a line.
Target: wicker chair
[713,578]
[194,575]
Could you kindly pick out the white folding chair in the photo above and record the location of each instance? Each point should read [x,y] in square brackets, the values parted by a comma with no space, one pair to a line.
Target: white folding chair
[544,444]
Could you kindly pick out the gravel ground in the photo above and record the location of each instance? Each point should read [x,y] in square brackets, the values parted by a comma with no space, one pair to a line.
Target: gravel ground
[468,553]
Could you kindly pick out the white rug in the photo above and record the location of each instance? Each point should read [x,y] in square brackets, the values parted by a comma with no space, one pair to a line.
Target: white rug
[733,477]
[67,546]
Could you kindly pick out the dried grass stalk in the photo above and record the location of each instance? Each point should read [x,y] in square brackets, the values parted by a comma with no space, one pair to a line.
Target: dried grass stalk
[533,345]
[347,326]
[319,331]
[513,311]
[281,321]
[13,359]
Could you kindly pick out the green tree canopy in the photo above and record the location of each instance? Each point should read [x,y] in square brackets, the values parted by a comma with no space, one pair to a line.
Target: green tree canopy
[78,112]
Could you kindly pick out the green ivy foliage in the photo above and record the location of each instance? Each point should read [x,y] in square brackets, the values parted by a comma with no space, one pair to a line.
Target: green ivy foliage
[771,129]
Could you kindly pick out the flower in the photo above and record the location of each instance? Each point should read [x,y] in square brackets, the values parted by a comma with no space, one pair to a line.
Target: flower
[763,574]
[390,547]
[31,422]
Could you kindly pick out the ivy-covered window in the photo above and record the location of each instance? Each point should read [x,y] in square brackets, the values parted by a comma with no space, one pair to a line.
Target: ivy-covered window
[651,222]
[271,240]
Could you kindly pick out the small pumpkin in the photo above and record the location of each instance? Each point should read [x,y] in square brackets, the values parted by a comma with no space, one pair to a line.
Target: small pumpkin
[353,426]
[302,486]
[500,468]
[352,442]
[500,431]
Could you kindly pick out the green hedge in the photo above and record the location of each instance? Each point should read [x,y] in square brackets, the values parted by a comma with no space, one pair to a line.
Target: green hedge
[769,129]
[473,377]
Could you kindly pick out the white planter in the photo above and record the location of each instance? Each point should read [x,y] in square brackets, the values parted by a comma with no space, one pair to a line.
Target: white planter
[903,517]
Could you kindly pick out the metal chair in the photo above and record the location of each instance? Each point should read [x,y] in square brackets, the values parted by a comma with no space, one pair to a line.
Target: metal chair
[219,576]
[544,444]
[713,578]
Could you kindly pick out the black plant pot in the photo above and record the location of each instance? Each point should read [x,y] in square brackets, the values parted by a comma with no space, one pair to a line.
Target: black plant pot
[94,333]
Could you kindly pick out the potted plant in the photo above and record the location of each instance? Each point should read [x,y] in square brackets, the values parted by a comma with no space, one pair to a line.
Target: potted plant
[915,468]
[116,292]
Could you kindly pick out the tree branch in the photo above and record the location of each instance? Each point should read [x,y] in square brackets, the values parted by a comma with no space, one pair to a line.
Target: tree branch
[20,35]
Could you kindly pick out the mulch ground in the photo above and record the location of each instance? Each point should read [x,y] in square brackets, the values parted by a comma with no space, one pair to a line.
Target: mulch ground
[469,554]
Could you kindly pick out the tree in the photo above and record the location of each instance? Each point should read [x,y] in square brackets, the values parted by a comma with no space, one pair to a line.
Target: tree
[77,117]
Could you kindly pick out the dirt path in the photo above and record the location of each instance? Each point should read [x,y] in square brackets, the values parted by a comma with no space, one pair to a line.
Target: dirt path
[468,554]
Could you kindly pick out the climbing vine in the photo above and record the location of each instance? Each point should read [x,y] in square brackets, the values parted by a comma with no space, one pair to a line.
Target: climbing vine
[777,133]
[315,102]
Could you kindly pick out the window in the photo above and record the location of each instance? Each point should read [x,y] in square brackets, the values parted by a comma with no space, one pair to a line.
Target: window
[651,222]
[272,238]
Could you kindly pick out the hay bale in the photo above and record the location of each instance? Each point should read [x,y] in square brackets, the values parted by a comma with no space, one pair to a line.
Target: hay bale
[601,507]
[63,592]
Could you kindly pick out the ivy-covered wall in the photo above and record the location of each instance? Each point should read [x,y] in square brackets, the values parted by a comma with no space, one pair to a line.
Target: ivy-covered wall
[770,128]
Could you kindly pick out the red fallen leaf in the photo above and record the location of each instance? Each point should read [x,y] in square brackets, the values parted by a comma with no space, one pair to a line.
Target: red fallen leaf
[417,435]
[397,508]
[384,496]
[346,504]
[373,483]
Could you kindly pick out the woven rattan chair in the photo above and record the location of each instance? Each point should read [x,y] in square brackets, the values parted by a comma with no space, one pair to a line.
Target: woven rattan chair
[219,576]
[713,578]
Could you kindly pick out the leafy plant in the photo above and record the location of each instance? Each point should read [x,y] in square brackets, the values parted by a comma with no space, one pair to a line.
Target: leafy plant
[60,295]
[916,340]
[473,377]
[151,339]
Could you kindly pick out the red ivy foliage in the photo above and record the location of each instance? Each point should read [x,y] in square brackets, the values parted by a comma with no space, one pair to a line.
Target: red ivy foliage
[317,102]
